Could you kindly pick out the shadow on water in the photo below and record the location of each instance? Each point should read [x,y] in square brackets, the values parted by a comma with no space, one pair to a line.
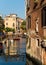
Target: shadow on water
[33,60]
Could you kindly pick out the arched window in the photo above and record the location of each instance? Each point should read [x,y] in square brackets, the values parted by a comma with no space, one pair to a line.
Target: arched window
[44,17]
[29,22]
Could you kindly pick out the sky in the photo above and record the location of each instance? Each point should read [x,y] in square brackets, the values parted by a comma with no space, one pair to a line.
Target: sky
[12,7]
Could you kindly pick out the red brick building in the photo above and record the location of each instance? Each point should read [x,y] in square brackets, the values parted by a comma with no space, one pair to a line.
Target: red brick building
[36,28]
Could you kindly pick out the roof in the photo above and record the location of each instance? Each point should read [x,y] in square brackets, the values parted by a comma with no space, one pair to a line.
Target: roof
[11,15]
[20,18]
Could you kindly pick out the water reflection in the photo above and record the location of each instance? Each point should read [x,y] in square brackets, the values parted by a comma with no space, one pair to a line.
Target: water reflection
[16,50]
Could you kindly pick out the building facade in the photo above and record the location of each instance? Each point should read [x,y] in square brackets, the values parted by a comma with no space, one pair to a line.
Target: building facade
[12,21]
[19,22]
[36,28]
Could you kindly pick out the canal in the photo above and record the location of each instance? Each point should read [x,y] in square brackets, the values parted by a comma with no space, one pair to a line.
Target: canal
[15,54]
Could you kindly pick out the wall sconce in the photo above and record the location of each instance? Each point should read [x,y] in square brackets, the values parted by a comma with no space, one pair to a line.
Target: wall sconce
[42,44]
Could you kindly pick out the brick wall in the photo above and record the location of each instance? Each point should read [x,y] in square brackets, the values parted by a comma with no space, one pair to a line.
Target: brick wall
[36,15]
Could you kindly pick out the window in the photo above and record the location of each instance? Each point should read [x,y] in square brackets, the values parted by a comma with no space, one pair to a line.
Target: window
[38,41]
[28,4]
[6,23]
[35,4]
[13,24]
[29,22]
[41,2]
[44,16]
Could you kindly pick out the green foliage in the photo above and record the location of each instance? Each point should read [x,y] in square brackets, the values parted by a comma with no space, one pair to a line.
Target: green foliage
[13,30]
[23,25]
[35,1]
[1,24]
[7,29]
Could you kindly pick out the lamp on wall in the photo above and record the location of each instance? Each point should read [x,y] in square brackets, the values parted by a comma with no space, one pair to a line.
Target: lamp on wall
[43,44]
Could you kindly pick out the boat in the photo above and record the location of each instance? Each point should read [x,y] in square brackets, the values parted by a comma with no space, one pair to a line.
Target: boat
[16,38]
[23,36]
